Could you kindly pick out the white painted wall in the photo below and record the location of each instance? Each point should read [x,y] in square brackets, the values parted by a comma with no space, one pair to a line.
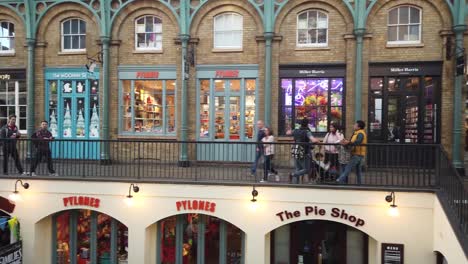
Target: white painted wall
[415,227]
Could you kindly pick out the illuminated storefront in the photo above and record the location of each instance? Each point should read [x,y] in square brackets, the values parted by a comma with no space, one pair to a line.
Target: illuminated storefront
[312,91]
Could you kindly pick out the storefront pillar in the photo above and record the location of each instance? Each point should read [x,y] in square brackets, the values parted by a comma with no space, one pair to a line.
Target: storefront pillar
[267,88]
[136,244]
[31,95]
[105,108]
[255,248]
[183,159]
[457,99]
[359,33]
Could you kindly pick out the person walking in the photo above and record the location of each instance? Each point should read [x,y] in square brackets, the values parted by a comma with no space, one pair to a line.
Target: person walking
[41,138]
[358,152]
[10,133]
[269,155]
[259,149]
[302,137]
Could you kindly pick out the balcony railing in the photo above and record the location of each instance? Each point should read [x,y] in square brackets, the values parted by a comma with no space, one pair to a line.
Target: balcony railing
[392,165]
[386,166]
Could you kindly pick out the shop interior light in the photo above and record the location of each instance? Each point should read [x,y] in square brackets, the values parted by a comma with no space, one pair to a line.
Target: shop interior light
[129,197]
[15,196]
[393,210]
[254,195]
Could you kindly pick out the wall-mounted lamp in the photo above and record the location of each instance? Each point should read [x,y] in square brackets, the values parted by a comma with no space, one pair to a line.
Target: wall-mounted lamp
[15,196]
[93,60]
[254,195]
[393,210]
[129,198]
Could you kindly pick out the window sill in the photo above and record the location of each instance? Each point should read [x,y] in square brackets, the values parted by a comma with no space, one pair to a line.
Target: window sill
[226,50]
[403,45]
[147,51]
[63,53]
[7,54]
[311,48]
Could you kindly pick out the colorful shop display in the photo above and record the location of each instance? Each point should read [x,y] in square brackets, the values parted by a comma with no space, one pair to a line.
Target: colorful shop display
[72,110]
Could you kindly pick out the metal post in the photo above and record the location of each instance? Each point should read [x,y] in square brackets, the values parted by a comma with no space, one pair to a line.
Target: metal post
[267,88]
[31,92]
[183,159]
[105,109]
[359,33]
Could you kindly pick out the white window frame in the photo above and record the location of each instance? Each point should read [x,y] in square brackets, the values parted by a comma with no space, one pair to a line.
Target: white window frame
[145,32]
[16,105]
[317,44]
[233,29]
[63,35]
[8,37]
[398,25]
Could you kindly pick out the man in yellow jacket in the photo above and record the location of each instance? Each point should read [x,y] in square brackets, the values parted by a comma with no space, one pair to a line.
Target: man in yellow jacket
[358,152]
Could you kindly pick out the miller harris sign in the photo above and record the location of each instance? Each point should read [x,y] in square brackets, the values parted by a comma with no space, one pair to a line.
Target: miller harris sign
[337,213]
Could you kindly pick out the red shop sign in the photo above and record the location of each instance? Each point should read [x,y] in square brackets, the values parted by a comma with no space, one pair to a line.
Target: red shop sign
[81,201]
[147,75]
[187,205]
[227,74]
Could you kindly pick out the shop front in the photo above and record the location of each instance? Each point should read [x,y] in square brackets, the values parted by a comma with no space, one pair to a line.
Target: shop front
[147,101]
[13,96]
[404,102]
[313,91]
[72,109]
[227,112]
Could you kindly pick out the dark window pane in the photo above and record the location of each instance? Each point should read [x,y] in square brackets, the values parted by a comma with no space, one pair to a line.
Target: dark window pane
[12,30]
[414,33]
[403,33]
[376,85]
[74,26]
[404,15]
[393,33]
[322,36]
[313,36]
[67,42]
[66,27]
[82,42]
[393,17]
[4,29]
[82,27]
[75,42]
[415,15]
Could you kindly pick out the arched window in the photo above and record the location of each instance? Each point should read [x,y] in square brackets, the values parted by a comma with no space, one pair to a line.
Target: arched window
[148,33]
[228,29]
[7,37]
[404,25]
[74,35]
[312,29]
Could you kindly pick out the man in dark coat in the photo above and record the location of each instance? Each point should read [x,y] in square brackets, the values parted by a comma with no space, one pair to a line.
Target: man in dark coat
[10,133]
[41,140]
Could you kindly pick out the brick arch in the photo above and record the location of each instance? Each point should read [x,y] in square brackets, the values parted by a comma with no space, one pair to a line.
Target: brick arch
[61,13]
[11,16]
[323,5]
[440,6]
[142,8]
[240,8]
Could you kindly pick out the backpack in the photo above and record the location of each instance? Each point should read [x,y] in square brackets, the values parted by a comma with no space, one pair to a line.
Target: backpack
[297,151]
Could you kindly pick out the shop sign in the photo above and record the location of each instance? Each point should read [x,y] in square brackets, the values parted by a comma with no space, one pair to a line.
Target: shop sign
[188,205]
[147,75]
[316,211]
[81,201]
[312,71]
[69,75]
[12,254]
[6,205]
[227,74]
[394,69]
[5,77]
[392,253]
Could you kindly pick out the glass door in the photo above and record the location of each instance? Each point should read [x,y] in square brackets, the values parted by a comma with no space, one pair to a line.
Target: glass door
[74,114]
[227,109]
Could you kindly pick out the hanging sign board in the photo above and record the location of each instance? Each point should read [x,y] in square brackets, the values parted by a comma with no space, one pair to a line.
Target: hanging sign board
[12,254]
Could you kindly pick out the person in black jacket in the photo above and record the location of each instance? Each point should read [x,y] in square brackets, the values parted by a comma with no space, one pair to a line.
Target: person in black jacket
[259,148]
[41,140]
[10,133]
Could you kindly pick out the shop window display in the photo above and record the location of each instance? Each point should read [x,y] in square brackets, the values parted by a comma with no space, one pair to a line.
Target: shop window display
[189,227]
[148,107]
[318,99]
[82,234]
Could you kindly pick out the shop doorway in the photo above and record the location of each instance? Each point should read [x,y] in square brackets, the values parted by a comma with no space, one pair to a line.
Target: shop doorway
[404,109]
[318,242]
[227,114]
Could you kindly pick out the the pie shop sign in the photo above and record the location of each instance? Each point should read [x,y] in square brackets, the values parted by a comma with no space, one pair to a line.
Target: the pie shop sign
[338,213]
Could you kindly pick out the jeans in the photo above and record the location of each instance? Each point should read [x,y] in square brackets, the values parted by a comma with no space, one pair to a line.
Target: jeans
[43,153]
[355,161]
[258,155]
[302,167]
[268,166]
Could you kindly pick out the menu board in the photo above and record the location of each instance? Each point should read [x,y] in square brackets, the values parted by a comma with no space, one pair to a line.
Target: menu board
[392,253]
